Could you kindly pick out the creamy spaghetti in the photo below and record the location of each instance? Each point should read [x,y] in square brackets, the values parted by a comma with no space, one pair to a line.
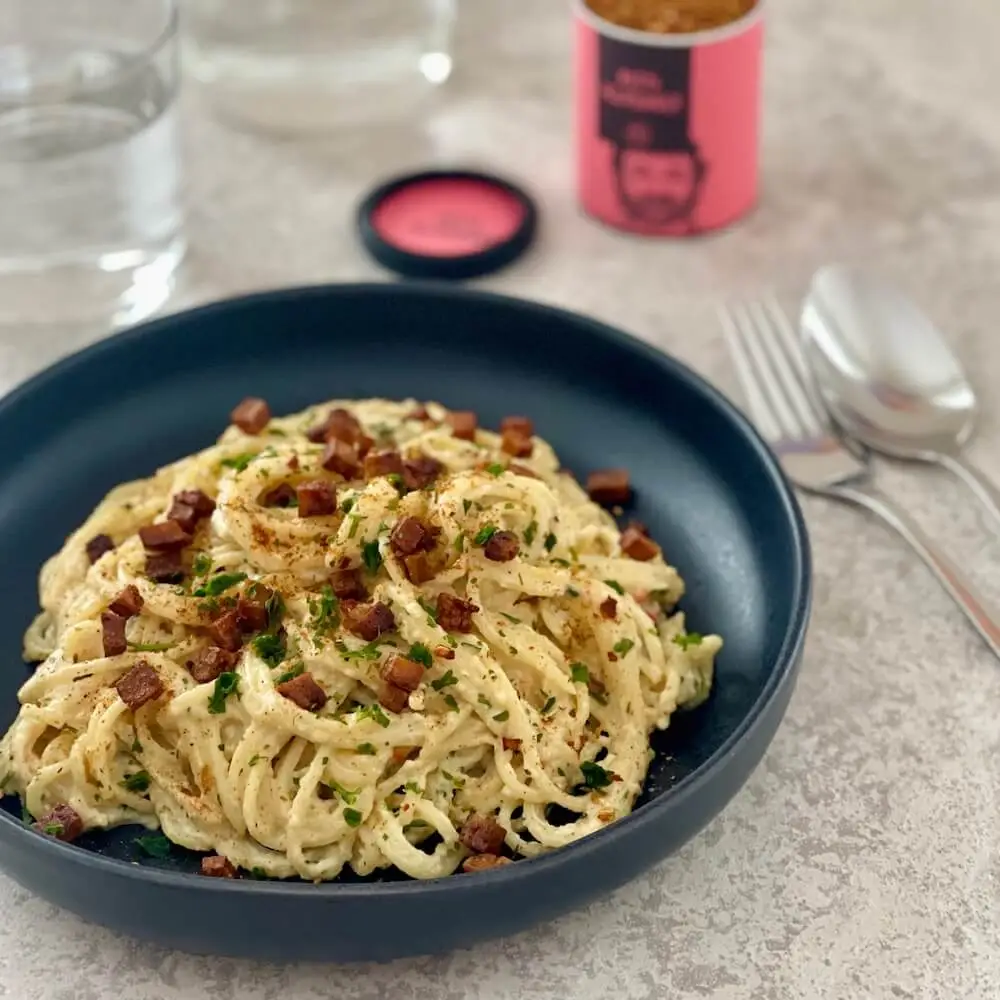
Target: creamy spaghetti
[368,634]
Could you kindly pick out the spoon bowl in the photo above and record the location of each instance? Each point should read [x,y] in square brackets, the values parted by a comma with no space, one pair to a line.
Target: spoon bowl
[888,376]
[883,369]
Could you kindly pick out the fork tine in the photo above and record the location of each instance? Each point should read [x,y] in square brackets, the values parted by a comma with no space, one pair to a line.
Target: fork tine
[789,339]
[786,370]
[758,399]
[754,338]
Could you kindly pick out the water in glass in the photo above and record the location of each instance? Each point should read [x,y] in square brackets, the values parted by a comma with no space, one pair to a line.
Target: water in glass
[90,214]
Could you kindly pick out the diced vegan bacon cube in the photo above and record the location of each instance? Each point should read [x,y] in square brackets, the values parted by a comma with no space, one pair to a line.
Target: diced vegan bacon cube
[609,608]
[510,744]
[317,499]
[209,662]
[454,614]
[201,502]
[502,546]
[609,486]
[128,603]
[410,535]
[251,615]
[189,507]
[484,862]
[443,652]
[463,424]
[62,822]
[342,458]
[420,471]
[402,672]
[216,866]
[165,535]
[418,568]
[113,633]
[516,444]
[482,834]
[165,567]
[140,685]
[346,584]
[304,692]
[344,425]
[98,545]
[383,463]
[393,699]
[281,495]
[252,415]
[524,426]
[637,544]
[225,632]
[368,621]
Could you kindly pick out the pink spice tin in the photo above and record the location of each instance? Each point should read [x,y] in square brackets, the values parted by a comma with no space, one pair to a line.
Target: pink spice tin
[667,125]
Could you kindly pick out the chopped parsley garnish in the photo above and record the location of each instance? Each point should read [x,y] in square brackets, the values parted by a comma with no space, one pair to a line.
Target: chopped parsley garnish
[155,845]
[579,673]
[501,716]
[239,462]
[466,504]
[26,818]
[445,681]
[275,606]
[686,641]
[369,651]
[412,786]
[54,829]
[219,584]
[495,469]
[136,746]
[459,544]
[291,674]
[419,653]
[457,782]
[549,705]
[371,556]
[150,647]
[202,564]
[485,533]
[616,587]
[594,776]
[449,700]
[397,481]
[356,519]
[511,618]
[138,782]
[257,872]
[345,793]
[325,611]
[225,684]
[560,562]
[430,609]
[270,647]
[530,532]
[352,817]
[347,505]
[368,749]
[550,542]
[623,646]
[255,759]
[572,592]
[375,713]
[483,700]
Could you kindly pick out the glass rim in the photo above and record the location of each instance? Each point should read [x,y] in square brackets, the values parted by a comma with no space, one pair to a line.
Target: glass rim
[159,41]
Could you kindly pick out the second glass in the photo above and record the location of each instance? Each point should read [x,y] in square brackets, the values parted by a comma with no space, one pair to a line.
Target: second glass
[305,65]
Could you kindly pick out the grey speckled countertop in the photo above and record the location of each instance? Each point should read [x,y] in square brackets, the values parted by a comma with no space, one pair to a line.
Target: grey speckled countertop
[861,860]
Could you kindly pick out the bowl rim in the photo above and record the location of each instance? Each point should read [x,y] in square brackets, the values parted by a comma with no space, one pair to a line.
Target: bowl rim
[782,671]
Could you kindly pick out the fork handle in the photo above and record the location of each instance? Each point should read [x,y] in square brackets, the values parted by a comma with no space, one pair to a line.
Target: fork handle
[961,588]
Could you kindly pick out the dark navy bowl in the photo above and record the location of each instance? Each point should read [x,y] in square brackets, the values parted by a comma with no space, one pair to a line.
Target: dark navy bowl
[706,485]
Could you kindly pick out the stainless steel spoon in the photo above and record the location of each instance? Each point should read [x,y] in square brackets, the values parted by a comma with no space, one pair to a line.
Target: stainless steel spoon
[888,376]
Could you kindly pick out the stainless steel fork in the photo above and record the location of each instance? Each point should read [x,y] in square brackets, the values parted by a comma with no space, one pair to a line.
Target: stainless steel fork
[779,396]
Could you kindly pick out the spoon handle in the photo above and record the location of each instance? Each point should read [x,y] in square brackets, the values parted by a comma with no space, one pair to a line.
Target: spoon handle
[982,486]
[965,593]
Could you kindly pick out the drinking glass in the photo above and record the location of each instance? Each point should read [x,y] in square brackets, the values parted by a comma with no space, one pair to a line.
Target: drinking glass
[90,212]
[313,65]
